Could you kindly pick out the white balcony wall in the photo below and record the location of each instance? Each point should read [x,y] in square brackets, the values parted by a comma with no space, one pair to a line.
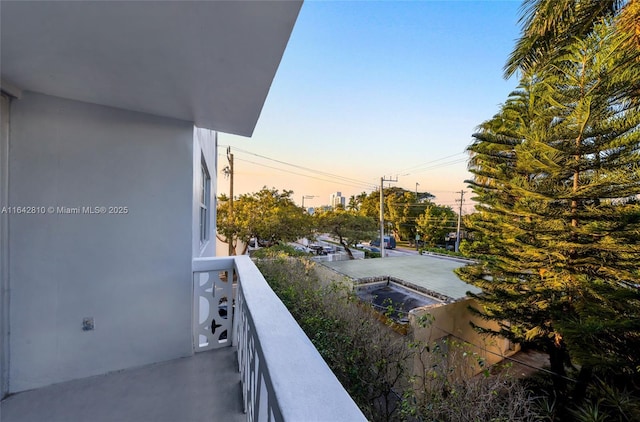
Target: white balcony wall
[283,376]
[205,149]
[4,255]
[130,272]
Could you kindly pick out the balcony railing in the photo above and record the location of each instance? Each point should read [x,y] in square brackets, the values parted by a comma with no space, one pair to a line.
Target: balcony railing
[284,378]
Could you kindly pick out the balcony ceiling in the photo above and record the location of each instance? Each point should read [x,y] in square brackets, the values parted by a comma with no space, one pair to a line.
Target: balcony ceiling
[209,62]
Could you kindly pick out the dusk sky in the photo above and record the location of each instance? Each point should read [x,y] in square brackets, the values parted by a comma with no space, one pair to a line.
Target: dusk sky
[378,88]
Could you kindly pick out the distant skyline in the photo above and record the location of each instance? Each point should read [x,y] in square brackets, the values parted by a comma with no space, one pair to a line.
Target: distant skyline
[378,88]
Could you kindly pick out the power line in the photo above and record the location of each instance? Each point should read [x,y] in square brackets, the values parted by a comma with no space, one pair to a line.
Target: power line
[413,168]
[320,172]
[419,204]
[305,175]
[443,191]
[439,165]
[340,179]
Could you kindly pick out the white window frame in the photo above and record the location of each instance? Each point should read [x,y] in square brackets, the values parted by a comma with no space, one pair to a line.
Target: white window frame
[204,202]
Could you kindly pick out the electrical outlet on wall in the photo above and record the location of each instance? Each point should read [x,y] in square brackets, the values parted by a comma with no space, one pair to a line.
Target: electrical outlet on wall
[88,324]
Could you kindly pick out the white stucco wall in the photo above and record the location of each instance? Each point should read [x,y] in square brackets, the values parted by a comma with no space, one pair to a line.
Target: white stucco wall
[205,144]
[455,320]
[130,272]
[4,255]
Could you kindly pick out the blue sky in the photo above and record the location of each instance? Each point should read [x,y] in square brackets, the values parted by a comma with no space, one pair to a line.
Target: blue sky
[378,88]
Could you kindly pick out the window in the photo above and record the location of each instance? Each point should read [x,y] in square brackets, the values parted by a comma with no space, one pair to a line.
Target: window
[205,186]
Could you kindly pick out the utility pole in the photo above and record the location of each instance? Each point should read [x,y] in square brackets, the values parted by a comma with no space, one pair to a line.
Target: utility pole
[461,200]
[417,235]
[230,173]
[382,180]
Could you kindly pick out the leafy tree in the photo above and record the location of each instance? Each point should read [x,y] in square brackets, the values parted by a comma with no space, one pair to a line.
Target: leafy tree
[401,208]
[355,201]
[349,227]
[556,174]
[628,23]
[368,204]
[267,215]
[435,223]
[391,376]
[228,230]
[549,28]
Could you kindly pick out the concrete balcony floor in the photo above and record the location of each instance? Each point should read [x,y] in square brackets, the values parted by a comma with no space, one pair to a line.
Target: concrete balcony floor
[203,387]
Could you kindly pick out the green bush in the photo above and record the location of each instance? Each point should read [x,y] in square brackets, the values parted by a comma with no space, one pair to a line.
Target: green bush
[277,250]
[606,402]
[369,254]
[389,376]
[441,251]
[369,361]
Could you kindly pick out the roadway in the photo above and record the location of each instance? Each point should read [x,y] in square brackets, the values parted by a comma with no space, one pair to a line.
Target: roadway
[400,251]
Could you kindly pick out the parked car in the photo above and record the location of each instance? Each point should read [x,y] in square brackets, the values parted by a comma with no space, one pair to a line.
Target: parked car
[389,242]
[261,242]
[317,249]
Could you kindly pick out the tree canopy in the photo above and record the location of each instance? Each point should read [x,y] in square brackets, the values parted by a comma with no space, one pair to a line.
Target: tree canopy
[268,215]
[347,226]
[557,177]
[401,209]
[549,28]
[435,223]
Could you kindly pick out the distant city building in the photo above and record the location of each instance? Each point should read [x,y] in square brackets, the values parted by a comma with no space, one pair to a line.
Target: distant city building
[336,199]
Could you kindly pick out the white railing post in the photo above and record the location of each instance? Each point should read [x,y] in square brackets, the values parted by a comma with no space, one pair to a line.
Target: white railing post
[212,303]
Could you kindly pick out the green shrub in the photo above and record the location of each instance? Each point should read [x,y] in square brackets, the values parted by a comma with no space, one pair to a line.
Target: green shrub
[606,402]
[441,251]
[389,376]
[369,360]
[277,250]
[370,254]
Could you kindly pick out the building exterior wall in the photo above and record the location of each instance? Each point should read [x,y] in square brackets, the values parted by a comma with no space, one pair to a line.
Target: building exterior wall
[204,149]
[4,252]
[453,321]
[130,272]
[336,199]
